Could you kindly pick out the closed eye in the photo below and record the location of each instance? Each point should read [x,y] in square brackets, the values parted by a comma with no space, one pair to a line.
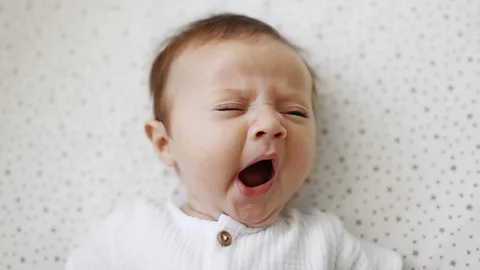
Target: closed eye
[298,113]
[229,107]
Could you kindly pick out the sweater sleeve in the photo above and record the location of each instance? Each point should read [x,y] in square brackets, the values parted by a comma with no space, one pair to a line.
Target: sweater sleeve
[97,251]
[356,254]
[381,258]
[92,253]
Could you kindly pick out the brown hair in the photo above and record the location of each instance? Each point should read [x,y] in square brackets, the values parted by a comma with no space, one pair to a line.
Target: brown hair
[225,26]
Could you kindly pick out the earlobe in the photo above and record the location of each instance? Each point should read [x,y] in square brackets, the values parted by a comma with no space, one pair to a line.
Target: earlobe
[157,134]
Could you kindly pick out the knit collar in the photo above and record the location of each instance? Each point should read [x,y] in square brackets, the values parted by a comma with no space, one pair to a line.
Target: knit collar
[224,222]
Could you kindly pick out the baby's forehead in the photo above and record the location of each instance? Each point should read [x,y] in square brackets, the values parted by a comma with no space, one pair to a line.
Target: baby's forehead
[241,62]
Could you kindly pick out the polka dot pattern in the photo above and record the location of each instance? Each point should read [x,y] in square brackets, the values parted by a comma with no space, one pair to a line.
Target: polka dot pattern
[399,116]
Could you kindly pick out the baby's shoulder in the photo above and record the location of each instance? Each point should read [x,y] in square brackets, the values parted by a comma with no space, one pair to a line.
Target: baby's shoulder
[137,213]
[328,227]
[120,236]
[311,219]
[139,207]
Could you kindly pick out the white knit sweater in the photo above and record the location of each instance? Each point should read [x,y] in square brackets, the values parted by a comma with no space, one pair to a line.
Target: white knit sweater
[147,236]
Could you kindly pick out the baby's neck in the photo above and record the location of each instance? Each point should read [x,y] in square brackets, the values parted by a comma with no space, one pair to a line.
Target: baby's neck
[193,212]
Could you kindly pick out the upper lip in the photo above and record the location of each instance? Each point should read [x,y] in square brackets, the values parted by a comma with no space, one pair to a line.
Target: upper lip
[267,156]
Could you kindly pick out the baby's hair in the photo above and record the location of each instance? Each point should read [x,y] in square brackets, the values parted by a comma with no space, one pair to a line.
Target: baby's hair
[216,28]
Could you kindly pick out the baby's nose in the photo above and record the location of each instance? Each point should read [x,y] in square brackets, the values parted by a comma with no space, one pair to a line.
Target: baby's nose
[279,133]
[268,126]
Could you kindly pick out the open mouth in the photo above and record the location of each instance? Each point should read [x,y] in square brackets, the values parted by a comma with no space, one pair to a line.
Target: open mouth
[257,174]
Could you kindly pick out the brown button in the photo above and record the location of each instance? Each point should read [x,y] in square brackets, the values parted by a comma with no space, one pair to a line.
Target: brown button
[224,238]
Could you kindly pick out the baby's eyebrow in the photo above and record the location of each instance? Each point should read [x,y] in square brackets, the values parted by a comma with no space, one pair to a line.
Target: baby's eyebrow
[237,92]
[293,95]
[230,90]
[246,94]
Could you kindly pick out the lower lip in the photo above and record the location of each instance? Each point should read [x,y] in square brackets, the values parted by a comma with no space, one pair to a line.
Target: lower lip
[254,191]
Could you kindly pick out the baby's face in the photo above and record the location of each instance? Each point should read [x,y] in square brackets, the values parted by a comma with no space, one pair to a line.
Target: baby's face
[242,127]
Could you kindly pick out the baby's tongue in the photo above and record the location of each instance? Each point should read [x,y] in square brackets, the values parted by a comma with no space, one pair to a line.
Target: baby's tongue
[256,174]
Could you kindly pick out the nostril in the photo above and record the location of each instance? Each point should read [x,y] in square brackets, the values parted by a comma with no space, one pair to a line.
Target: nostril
[260,134]
[278,135]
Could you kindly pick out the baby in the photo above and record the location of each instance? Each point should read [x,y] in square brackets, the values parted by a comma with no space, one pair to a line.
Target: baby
[234,115]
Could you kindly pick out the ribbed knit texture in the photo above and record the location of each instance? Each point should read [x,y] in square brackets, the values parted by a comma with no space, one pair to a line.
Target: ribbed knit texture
[143,235]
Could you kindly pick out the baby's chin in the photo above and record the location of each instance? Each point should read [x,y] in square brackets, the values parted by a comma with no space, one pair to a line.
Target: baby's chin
[255,216]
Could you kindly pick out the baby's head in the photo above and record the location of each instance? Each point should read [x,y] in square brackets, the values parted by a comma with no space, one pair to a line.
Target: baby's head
[233,105]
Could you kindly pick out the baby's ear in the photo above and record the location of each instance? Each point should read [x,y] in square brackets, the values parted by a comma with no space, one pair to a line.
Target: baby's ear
[157,134]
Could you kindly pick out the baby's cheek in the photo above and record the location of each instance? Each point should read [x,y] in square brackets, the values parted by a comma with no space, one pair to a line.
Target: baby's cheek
[219,154]
[302,151]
